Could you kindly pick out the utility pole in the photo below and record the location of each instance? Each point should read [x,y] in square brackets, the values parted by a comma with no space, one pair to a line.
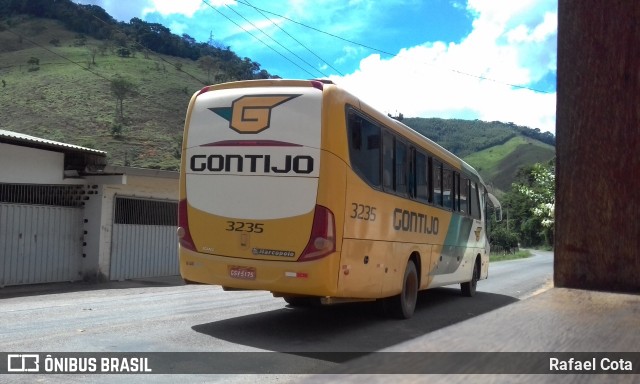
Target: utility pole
[506,208]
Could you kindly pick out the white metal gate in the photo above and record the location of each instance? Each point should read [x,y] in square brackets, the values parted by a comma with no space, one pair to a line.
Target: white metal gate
[144,241]
[41,233]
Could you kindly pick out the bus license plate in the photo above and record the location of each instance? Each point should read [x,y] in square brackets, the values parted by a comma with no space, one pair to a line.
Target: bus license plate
[244,273]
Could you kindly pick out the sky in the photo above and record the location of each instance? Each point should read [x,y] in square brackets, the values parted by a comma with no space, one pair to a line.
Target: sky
[492,60]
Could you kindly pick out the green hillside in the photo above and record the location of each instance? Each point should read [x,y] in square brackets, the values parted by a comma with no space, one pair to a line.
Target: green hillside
[464,137]
[59,100]
[496,149]
[57,84]
[499,164]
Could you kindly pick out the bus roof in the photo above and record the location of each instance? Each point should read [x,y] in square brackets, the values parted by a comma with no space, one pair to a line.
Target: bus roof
[324,84]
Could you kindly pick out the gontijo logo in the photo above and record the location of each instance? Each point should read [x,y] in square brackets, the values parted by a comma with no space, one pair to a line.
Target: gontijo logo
[251,114]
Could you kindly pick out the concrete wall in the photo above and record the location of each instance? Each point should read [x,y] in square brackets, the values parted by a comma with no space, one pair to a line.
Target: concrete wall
[23,165]
[99,212]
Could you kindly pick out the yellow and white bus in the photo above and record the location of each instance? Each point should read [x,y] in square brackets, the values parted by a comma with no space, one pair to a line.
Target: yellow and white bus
[299,188]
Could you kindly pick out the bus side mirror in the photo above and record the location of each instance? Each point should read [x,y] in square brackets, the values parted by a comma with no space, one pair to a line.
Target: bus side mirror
[496,206]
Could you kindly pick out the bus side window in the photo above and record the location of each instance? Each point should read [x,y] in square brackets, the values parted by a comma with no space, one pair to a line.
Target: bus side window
[401,161]
[447,188]
[387,161]
[364,148]
[411,173]
[464,192]
[422,177]
[437,182]
[456,191]
[475,202]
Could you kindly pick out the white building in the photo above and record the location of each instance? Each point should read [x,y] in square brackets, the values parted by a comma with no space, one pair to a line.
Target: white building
[65,215]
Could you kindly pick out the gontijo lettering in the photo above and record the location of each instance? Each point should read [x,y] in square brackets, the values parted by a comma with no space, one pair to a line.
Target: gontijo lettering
[300,164]
[409,221]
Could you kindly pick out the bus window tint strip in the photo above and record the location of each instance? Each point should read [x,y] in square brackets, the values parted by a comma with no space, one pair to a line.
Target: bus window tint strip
[382,159]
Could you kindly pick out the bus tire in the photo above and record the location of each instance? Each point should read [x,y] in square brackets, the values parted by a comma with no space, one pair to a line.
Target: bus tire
[403,305]
[301,301]
[469,288]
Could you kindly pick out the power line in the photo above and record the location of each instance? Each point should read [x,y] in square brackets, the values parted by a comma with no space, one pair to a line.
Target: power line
[316,29]
[296,40]
[257,38]
[288,50]
[385,52]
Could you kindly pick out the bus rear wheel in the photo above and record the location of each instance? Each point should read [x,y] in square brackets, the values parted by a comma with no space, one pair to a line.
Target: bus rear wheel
[403,306]
[301,301]
[469,288]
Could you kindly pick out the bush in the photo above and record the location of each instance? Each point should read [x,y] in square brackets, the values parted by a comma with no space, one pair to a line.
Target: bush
[501,238]
[123,52]
[116,130]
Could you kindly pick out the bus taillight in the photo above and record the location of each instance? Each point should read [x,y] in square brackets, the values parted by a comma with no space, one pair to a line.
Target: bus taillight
[184,236]
[322,241]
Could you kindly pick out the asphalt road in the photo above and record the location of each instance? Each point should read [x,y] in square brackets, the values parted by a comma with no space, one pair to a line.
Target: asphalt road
[163,315]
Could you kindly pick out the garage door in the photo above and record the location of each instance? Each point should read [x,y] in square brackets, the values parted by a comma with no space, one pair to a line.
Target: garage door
[41,233]
[144,241]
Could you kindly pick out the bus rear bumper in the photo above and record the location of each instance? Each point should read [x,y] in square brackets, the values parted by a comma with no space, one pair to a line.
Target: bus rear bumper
[314,278]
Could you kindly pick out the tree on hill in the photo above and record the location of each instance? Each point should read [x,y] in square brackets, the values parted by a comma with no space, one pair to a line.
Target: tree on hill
[93,52]
[121,89]
[208,64]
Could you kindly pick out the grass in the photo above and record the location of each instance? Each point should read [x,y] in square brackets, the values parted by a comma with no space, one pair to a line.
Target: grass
[509,256]
[500,164]
[61,101]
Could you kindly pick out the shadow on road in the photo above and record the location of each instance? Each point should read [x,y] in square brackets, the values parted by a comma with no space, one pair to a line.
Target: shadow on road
[82,286]
[358,327]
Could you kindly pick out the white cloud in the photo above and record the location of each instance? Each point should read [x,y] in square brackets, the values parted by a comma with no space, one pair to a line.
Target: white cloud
[512,43]
[169,7]
[178,28]
[118,9]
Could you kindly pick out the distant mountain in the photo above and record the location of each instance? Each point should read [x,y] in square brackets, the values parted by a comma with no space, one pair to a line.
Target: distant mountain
[496,150]
[463,137]
[56,73]
[499,165]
